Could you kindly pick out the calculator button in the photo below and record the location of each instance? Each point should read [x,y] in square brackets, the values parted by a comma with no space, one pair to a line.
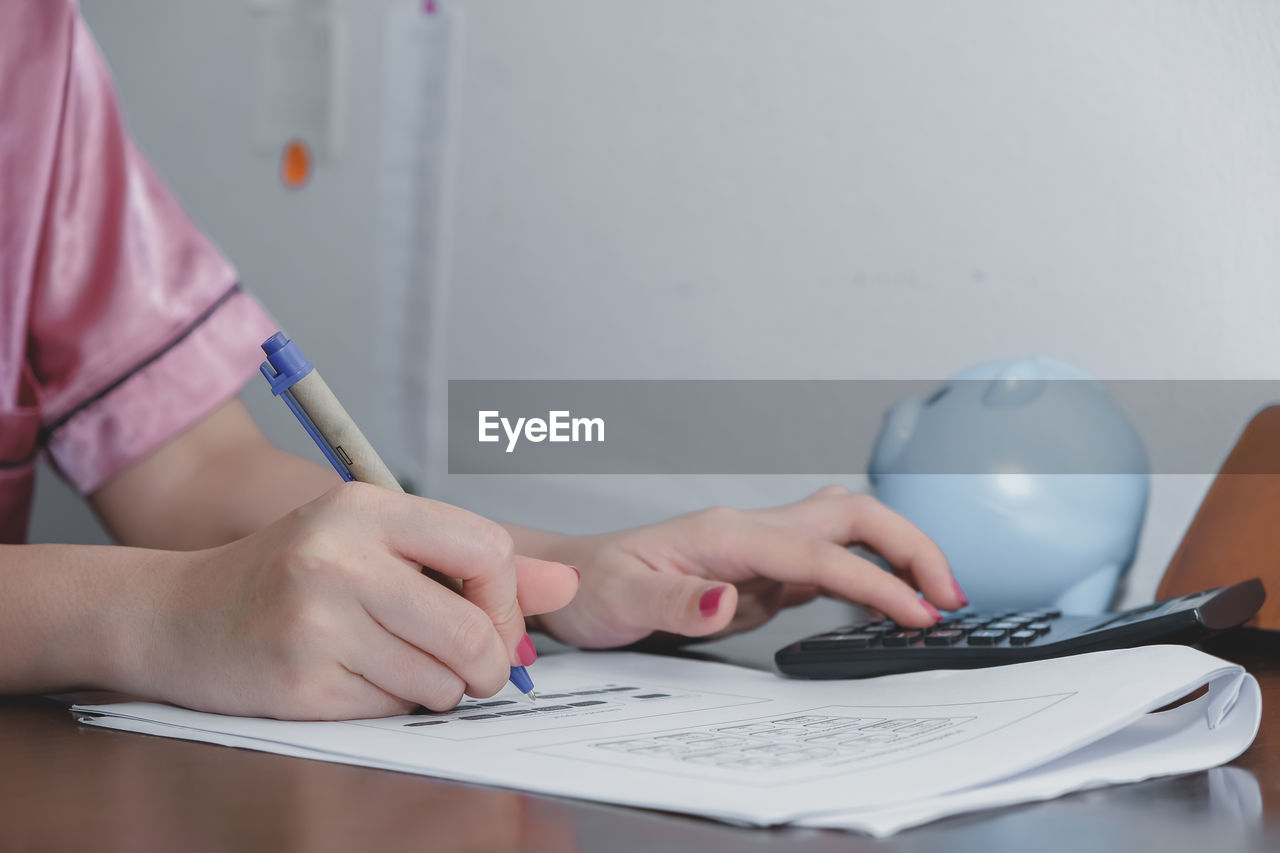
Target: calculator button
[879,629]
[943,638]
[900,638]
[1038,627]
[1003,626]
[985,638]
[845,641]
[1021,638]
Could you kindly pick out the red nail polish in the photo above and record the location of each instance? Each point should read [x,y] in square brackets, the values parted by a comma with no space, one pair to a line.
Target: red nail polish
[526,652]
[964,599]
[931,610]
[710,601]
[579,574]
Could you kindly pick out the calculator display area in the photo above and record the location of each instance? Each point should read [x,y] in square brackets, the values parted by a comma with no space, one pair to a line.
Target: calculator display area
[1132,616]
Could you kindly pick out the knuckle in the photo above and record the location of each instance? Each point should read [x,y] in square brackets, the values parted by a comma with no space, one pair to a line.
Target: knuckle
[445,693]
[354,496]
[509,613]
[893,593]
[317,546]
[672,604]
[298,627]
[489,682]
[716,515]
[492,543]
[938,554]
[861,500]
[833,491]
[920,547]
[859,505]
[715,524]
[315,554]
[471,637]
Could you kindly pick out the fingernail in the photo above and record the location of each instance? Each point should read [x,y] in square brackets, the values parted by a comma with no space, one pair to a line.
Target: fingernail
[710,601]
[931,610]
[579,574]
[964,599]
[526,652]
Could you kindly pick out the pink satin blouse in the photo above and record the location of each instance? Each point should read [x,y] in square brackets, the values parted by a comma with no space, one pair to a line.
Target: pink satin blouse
[120,323]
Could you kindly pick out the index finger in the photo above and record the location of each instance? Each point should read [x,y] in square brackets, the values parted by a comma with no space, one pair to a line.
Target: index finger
[458,544]
[783,554]
[848,519]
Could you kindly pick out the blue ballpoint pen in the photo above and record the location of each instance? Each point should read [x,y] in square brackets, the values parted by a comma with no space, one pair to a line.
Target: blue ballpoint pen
[294,379]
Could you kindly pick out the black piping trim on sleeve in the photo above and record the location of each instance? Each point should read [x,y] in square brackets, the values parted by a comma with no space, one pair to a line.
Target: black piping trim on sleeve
[204,315]
[13,465]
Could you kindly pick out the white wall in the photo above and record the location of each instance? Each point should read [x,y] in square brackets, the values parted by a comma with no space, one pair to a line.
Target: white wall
[867,188]
[864,189]
[742,189]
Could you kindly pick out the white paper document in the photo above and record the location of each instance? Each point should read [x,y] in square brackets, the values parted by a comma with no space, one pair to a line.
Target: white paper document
[746,746]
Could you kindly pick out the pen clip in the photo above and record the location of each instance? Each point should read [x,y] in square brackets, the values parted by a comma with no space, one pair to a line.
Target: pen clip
[309,425]
[284,366]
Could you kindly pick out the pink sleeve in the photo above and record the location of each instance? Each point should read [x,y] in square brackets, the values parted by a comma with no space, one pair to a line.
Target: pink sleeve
[138,327]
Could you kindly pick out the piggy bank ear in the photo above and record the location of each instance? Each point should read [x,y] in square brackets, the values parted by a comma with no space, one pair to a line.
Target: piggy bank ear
[1017,384]
[898,430]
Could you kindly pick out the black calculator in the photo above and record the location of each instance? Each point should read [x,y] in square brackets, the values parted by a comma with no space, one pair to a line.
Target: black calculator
[967,640]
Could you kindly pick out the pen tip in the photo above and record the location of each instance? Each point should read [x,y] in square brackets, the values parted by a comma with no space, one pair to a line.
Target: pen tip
[533,697]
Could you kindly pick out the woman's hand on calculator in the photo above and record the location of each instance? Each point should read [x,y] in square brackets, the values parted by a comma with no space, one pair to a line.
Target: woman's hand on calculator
[719,571]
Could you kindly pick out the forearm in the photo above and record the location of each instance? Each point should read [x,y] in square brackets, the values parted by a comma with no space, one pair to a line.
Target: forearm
[239,495]
[76,616]
[217,482]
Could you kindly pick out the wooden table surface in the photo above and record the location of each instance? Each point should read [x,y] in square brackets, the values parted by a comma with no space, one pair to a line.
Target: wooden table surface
[68,787]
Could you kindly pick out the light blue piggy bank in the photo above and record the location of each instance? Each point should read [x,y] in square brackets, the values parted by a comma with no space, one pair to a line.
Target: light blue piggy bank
[984,466]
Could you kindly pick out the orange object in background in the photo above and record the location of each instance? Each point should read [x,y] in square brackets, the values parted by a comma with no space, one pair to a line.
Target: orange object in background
[1234,535]
[295,163]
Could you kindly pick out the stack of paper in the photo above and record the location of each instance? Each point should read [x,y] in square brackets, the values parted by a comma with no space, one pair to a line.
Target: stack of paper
[749,747]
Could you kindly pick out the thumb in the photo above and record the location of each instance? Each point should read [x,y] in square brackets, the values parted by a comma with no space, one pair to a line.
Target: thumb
[543,586]
[680,604]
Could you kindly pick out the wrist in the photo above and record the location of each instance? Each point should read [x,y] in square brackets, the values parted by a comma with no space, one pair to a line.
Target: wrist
[132,629]
[534,543]
[564,548]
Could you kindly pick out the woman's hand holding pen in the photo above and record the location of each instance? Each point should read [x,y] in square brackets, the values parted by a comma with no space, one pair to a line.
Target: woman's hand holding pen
[721,571]
[326,615]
